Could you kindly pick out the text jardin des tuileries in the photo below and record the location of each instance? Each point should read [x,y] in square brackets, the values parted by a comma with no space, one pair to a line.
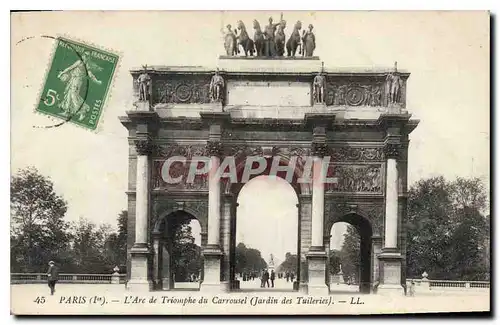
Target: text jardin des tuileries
[214,300]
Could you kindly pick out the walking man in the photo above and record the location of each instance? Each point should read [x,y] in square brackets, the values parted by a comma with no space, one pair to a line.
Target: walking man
[266,278]
[273,276]
[52,277]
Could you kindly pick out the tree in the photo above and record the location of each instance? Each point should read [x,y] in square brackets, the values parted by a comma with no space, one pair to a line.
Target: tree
[248,260]
[335,261]
[448,236]
[187,259]
[38,231]
[115,247]
[350,254]
[289,264]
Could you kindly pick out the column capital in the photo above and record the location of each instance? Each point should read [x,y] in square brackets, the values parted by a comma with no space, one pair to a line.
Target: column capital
[214,148]
[143,145]
[319,149]
[392,150]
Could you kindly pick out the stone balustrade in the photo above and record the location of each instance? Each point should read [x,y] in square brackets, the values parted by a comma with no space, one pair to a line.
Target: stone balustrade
[22,278]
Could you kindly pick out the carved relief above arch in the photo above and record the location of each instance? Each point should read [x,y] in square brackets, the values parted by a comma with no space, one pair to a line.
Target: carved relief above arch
[371,212]
[162,208]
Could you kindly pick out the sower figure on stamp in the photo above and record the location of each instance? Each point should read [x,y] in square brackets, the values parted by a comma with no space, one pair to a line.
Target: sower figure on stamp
[52,276]
[75,77]
[216,87]
[144,81]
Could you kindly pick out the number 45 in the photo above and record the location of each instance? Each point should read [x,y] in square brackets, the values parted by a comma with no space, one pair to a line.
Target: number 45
[51,97]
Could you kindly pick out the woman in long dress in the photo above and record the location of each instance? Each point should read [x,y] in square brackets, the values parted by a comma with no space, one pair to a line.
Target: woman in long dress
[74,76]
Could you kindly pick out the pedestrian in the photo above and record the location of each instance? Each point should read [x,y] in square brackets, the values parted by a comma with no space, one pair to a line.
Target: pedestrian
[287,275]
[273,276]
[52,276]
[266,278]
[262,278]
[412,288]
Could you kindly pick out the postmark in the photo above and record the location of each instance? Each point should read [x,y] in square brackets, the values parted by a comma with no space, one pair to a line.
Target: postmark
[77,83]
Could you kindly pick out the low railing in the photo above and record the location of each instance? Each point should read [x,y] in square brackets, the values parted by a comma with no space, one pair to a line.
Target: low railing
[16,278]
[448,284]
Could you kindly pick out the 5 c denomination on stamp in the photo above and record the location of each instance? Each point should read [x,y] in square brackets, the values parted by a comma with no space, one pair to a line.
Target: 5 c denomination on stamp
[77,83]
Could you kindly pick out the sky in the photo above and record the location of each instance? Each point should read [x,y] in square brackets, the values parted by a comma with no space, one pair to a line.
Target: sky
[447,54]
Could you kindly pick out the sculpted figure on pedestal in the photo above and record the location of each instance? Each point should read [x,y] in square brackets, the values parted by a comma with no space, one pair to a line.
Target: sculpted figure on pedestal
[319,85]
[393,87]
[216,87]
[144,81]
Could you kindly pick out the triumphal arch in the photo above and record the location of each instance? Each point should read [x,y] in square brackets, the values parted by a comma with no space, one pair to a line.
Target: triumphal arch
[268,108]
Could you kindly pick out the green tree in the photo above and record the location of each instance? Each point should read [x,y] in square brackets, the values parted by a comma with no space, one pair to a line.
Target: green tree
[448,235]
[350,254]
[248,259]
[38,231]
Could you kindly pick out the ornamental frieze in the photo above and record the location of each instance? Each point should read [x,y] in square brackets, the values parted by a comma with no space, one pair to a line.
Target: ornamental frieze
[356,178]
[187,151]
[189,91]
[356,154]
[177,169]
[197,208]
[374,212]
[354,94]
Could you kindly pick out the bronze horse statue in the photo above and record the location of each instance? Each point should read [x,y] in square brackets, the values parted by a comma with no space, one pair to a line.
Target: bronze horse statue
[244,40]
[258,39]
[280,38]
[294,41]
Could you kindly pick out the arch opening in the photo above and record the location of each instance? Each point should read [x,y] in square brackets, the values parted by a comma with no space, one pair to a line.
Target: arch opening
[265,236]
[178,260]
[349,258]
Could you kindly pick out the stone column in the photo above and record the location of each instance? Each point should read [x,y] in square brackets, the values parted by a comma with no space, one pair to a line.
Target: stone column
[316,257]
[212,253]
[326,241]
[390,258]
[157,263]
[140,250]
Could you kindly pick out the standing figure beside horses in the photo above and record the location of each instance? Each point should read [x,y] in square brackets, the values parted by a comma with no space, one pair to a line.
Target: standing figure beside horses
[294,41]
[270,42]
[280,38]
[309,41]
[230,42]
[244,40]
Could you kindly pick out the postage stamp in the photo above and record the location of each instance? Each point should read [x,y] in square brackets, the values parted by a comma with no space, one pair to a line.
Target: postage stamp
[77,83]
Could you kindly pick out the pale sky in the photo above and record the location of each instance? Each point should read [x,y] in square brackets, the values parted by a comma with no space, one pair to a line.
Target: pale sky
[447,54]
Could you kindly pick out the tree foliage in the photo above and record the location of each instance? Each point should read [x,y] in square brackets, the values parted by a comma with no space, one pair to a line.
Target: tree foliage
[448,235]
[186,255]
[350,254]
[248,260]
[289,264]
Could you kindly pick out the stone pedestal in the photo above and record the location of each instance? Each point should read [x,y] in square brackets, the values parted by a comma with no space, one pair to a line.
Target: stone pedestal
[139,270]
[142,105]
[390,274]
[212,256]
[316,270]
[319,108]
[214,107]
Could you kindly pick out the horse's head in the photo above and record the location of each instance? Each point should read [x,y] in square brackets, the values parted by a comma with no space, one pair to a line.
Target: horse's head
[298,25]
[241,25]
[256,24]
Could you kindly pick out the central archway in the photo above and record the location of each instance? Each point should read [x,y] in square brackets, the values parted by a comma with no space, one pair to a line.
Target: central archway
[253,200]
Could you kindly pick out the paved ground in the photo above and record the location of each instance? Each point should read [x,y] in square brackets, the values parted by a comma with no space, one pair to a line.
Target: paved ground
[115,299]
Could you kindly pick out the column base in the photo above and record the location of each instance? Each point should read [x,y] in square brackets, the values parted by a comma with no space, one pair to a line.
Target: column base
[316,269]
[390,273]
[139,280]
[390,290]
[212,256]
[140,285]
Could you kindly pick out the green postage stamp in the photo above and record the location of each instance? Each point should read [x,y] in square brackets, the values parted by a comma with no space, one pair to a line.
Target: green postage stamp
[77,83]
